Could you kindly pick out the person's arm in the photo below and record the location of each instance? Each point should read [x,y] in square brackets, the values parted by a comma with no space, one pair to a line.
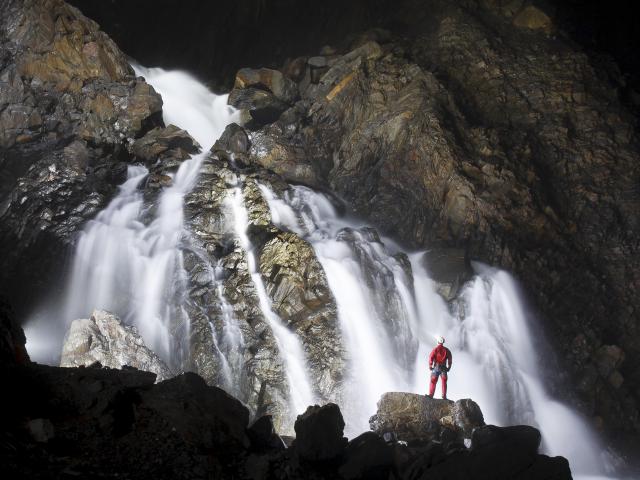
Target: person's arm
[449,359]
[431,355]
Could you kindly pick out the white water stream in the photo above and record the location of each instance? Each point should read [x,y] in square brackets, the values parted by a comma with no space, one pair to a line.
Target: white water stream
[129,260]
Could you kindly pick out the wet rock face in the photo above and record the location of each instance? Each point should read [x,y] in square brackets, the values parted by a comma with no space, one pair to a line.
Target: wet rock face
[482,133]
[411,417]
[293,278]
[301,296]
[69,107]
[104,339]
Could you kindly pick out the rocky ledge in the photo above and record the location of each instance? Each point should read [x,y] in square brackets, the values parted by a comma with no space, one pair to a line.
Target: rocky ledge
[99,422]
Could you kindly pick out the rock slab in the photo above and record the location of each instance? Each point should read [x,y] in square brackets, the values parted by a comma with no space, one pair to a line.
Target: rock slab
[411,417]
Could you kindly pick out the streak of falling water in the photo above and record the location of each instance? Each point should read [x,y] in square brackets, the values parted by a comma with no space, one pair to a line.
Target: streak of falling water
[289,345]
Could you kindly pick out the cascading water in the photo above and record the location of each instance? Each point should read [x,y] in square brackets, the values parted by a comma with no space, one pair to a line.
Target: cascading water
[357,270]
[130,261]
[289,346]
[495,362]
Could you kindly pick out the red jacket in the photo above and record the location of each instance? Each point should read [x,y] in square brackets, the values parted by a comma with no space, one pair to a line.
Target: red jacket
[440,355]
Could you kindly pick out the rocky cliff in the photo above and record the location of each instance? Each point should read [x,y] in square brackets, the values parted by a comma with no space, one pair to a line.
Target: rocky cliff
[70,107]
[485,130]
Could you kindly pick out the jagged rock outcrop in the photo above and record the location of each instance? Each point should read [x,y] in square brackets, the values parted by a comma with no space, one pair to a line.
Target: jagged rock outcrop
[298,287]
[319,433]
[264,94]
[411,417]
[173,144]
[103,338]
[228,299]
[70,105]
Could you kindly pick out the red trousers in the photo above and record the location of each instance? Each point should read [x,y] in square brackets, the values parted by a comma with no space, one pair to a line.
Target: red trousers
[435,373]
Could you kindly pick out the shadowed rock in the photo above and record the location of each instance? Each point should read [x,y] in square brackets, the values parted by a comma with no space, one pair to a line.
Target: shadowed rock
[319,433]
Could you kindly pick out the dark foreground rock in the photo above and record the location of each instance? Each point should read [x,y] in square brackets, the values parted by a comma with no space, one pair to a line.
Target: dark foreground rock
[319,433]
[95,422]
[98,422]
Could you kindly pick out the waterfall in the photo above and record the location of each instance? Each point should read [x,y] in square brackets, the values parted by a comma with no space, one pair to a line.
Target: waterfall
[495,362]
[129,260]
[358,269]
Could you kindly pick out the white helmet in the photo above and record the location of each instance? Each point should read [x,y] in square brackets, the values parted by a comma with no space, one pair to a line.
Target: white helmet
[440,340]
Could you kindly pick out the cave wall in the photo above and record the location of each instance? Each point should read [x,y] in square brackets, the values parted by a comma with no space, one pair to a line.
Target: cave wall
[527,157]
[490,131]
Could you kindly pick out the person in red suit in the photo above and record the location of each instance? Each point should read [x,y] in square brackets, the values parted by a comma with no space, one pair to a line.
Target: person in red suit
[439,363]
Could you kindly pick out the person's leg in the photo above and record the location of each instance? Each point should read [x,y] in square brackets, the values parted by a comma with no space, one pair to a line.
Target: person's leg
[443,380]
[432,386]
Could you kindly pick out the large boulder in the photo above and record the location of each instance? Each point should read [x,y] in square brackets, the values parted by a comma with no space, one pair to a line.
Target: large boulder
[319,433]
[216,421]
[264,93]
[170,141]
[268,79]
[103,338]
[417,418]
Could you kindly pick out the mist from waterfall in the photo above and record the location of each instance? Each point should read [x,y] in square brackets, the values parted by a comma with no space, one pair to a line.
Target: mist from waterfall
[494,359]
